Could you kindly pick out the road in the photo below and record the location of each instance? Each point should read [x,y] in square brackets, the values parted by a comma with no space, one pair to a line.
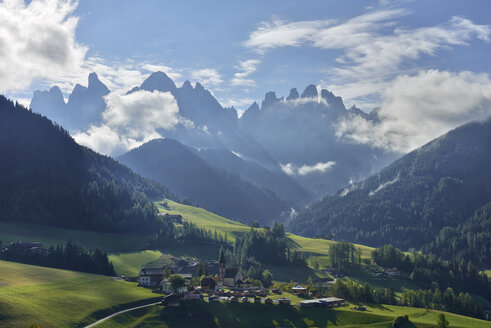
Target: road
[118,313]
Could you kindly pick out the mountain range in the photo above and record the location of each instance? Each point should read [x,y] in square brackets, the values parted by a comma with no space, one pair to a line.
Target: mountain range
[287,146]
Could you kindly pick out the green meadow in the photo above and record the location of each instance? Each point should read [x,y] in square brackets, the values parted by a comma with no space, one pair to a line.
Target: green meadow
[60,298]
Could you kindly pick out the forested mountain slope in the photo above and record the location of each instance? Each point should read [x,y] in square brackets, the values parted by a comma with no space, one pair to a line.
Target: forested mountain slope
[409,202]
[47,178]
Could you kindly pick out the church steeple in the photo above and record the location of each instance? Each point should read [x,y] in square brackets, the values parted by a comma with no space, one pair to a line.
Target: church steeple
[221,265]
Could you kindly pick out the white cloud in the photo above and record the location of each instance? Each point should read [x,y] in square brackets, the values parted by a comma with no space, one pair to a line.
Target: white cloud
[207,76]
[374,49]
[37,40]
[132,119]
[246,68]
[418,108]
[292,169]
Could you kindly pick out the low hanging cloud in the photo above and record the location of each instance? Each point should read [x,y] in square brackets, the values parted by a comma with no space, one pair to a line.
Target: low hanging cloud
[132,119]
[416,109]
[292,169]
[37,40]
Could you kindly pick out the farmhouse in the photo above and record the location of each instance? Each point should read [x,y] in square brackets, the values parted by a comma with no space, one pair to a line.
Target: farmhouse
[150,276]
[392,272]
[166,286]
[299,290]
[177,218]
[323,302]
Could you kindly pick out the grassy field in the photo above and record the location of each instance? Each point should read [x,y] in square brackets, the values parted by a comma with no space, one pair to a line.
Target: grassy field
[262,315]
[204,219]
[130,263]
[111,242]
[59,298]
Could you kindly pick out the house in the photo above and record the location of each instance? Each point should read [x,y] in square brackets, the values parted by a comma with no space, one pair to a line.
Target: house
[151,277]
[176,218]
[232,276]
[323,302]
[392,272]
[208,284]
[299,289]
[166,286]
[284,301]
[30,247]
[172,300]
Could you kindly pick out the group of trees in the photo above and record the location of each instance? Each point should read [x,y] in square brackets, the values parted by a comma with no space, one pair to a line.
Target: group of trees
[70,257]
[430,271]
[344,256]
[268,246]
[446,300]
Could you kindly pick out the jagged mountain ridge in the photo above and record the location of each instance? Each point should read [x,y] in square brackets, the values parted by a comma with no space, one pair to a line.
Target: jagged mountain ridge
[297,132]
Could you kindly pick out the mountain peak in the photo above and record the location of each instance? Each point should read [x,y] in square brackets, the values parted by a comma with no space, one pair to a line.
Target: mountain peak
[270,99]
[332,100]
[293,94]
[159,81]
[96,84]
[310,92]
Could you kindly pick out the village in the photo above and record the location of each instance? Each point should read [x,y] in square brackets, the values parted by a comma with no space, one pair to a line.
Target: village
[223,284]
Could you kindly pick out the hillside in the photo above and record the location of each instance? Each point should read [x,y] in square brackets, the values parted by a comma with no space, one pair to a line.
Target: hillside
[179,167]
[409,202]
[60,298]
[47,178]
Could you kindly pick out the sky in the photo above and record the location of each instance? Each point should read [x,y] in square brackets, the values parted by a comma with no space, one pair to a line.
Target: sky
[378,53]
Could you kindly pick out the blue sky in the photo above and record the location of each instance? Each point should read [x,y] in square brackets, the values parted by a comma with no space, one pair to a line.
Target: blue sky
[212,42]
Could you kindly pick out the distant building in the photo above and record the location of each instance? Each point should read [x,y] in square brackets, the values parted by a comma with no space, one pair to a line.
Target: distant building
[323,302]
[228,277]
[30,247]
[392,272]
[151,276]
[177,218]
[166,286]
[299,289]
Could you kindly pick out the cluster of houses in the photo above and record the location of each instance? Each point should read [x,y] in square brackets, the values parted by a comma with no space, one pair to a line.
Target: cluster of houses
[226,278]
[28,247]
[390,272]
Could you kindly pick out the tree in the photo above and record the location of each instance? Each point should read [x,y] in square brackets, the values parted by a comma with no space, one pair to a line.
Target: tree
[267,278]
[442,321]
[176,282]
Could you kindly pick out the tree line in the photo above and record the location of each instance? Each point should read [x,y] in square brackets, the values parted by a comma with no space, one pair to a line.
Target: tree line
[430,271]
[69,256]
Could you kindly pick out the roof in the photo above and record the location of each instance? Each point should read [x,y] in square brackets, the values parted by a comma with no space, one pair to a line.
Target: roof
[299,287]
[231,273]
[151,271]
[331,300]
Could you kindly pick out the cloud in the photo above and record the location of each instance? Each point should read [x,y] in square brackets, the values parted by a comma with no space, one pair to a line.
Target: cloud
[292,169]
[383,185]
[374,50]
[246,68]
[418,108]
[207,77]
[37,40]
[132,119]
